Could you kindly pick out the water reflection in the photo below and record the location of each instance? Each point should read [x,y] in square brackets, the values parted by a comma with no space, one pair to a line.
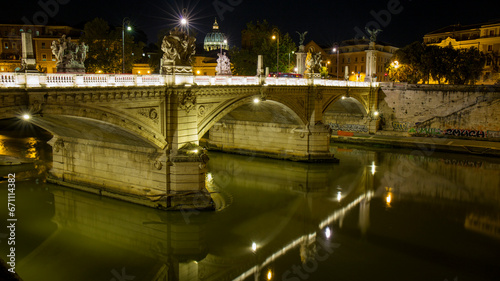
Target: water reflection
[277,220]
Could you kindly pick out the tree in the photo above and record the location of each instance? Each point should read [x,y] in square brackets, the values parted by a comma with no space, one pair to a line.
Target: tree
[417,62]
[409,65]
[258,41]
[105,48]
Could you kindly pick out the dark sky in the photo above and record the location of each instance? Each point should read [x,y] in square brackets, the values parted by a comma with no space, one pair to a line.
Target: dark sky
[327,22]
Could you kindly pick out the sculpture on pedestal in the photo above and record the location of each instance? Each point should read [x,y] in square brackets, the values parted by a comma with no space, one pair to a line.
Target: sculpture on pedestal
[373,36]
[178,48]
[70,55]
[313,63]
[302,37]
[223,65]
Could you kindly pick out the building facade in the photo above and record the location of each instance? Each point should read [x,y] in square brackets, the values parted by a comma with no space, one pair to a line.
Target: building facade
[348,61]
[484,36]
[43,35]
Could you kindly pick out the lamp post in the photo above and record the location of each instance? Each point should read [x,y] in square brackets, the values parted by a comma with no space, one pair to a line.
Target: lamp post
[277,38]
[336,49]
[293,52]
[184,20]
[225,42]
[127,21]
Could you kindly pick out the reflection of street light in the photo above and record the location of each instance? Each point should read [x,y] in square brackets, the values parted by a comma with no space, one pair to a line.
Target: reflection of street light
[328,233]
[336,50]
[129,28]
[277,38]
[269,275]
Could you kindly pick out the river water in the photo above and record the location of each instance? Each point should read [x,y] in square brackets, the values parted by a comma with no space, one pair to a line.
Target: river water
[380,214]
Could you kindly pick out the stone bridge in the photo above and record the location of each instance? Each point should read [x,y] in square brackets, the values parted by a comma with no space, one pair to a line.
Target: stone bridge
[136,138]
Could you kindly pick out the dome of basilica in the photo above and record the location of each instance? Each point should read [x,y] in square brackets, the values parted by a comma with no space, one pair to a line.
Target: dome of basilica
[215,39]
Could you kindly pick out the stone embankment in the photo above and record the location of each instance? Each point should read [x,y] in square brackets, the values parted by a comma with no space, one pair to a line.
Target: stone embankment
[446,144]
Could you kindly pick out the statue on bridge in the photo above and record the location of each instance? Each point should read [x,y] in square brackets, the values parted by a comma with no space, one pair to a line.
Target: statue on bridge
[178,48]
[373,33]
[223,65]
[313,63]
[70,55]
[302,36]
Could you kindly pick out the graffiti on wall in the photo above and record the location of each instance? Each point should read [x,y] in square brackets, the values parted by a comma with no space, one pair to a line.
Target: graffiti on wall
[402,126]
[433,132]
[465,133]
[348,127]
[426,131]
[448,132]
[493,134]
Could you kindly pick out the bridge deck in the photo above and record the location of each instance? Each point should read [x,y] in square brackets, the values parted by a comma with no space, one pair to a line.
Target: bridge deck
[42,80]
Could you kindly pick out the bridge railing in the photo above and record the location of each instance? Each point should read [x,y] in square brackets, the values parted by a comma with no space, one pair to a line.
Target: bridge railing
[42,80]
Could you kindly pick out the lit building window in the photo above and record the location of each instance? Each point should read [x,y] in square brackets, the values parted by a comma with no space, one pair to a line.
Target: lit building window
[44,57]
[6,45]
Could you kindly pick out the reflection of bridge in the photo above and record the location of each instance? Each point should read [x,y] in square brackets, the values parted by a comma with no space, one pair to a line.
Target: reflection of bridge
[152,245]
[135,137]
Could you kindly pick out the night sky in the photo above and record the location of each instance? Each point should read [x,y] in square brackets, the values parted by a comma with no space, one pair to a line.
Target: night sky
[327,22]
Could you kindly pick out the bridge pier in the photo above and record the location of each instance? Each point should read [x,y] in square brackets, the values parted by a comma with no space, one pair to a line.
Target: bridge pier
[140,175]
[299,143]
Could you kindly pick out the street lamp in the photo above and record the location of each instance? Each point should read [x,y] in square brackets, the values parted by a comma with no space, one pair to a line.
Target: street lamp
[129,28]
[222,42]
[277,38]
[184,20]
[293,52]
[336,50]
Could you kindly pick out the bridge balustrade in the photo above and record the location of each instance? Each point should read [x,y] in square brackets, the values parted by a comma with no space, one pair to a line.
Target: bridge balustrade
[7,80]
[57,79]
[40,80]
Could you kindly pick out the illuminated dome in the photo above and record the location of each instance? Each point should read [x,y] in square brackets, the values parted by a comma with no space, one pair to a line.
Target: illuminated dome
[215,39]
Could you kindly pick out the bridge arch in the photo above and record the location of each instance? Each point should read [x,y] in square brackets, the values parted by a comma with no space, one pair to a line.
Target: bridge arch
[353,100]
[230,106]
[89,122]
[347,113]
